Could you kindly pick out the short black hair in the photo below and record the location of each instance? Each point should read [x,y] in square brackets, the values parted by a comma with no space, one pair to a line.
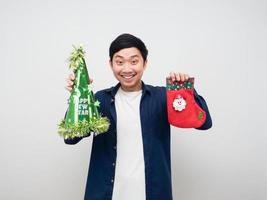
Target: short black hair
[127,40]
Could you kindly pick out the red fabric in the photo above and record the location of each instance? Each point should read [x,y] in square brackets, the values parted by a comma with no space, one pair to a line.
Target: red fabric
[192,116]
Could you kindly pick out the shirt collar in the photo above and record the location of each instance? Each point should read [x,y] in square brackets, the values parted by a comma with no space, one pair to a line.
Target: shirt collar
[113,90]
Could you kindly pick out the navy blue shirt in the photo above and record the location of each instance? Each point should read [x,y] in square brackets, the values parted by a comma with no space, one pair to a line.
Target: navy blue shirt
[156,145]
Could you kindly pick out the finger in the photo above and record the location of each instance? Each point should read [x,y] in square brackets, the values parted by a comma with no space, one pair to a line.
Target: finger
[177,76]
[172,76]
[182,76]
[186,77]
[68,88]
[169,77]
[69,82]
[72,76]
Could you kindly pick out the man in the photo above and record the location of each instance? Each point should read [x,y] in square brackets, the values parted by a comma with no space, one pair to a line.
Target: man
[132,160]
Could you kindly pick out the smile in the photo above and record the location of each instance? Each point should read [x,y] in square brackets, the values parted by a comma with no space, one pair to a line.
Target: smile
[128,77]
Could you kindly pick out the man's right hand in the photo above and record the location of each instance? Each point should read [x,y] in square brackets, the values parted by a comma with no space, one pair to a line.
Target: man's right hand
[70,82]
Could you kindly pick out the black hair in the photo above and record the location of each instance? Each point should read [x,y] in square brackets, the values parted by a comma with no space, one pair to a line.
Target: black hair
[127,41]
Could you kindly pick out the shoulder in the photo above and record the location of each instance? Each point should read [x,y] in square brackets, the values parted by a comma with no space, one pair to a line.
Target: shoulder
[156,93]
[104,92]
[156,90]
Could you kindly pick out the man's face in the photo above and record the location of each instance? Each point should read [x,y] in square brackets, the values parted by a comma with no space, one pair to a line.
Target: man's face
[128,66]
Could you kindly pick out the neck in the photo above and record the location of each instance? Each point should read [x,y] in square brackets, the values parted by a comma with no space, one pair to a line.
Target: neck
[133,89]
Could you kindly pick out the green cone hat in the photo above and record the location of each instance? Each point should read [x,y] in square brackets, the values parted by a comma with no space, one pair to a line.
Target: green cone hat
[82,116]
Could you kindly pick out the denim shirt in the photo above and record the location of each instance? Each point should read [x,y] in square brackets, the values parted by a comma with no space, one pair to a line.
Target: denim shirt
[156,145]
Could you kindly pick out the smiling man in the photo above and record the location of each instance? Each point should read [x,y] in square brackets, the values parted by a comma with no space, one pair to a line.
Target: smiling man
[128,67]
[132,160]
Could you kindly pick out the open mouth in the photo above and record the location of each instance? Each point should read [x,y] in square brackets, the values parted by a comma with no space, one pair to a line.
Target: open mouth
[128,77]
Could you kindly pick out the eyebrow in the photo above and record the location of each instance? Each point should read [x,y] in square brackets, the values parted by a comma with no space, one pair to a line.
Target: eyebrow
[123,57]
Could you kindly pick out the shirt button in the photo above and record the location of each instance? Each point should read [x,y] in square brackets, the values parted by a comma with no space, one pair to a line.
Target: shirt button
[112,180]
[113,164]
[115,147]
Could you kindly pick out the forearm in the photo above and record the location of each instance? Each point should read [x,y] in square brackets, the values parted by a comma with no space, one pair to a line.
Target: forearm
[72,141]
[202,103]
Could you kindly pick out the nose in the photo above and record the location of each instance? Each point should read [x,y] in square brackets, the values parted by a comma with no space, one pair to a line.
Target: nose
[126,67]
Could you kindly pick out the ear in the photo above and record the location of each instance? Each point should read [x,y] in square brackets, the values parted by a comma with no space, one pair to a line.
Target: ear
[145,64]
[110,63]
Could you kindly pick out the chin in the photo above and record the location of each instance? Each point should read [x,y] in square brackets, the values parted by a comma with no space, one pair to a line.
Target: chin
[131,87]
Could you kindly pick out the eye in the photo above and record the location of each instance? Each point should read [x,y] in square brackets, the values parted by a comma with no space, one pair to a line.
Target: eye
[119,62]
[134,62]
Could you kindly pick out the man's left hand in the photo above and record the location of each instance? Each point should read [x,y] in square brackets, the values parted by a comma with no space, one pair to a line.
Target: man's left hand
[177,76]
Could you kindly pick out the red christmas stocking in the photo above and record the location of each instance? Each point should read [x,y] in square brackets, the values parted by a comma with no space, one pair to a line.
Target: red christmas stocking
[183,111]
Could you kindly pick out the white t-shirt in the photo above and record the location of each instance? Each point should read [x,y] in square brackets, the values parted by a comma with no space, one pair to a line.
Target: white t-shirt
[129,181]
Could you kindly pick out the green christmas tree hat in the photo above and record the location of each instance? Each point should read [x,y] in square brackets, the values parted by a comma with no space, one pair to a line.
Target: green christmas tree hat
[82,116]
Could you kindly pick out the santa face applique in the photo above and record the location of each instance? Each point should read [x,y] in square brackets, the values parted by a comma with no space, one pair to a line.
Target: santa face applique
[179,103]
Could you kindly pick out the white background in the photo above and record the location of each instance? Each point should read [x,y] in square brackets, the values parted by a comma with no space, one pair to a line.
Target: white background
[221,43]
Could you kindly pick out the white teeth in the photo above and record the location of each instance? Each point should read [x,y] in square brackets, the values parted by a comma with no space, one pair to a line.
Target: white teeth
[127,77]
